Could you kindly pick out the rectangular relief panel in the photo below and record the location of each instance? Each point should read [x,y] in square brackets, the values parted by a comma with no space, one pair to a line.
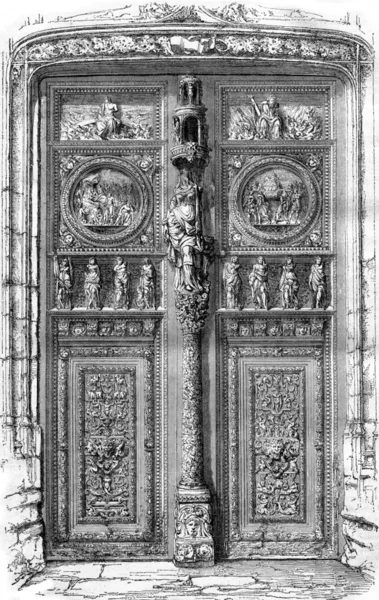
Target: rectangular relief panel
[257,113]
[115,113]
[277,423]
[108,469]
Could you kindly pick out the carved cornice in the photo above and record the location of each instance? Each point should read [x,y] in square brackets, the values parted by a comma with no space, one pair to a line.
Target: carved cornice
[134,44]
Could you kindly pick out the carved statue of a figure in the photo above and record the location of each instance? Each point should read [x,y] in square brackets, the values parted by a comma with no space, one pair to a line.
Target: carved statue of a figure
[232,283]
[108,124]
[258,280]
[92,284]
[269,123]
[183,234]
[122,286]
[146,285]
[64,275]
[289,285]
[317,283]
[176,131]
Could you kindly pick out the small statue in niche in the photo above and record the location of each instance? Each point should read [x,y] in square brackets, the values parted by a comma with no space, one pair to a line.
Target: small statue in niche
[317,284]
[92,284]
[176,132]
[108,124]
[232,283]
[258,280]
[146,285]
[122,287]
[289,285]
[269,125]
[64,277]
[183,234]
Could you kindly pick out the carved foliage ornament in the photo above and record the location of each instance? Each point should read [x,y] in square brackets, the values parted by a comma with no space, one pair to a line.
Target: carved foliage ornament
[109,444]
[170,45]
[279,397]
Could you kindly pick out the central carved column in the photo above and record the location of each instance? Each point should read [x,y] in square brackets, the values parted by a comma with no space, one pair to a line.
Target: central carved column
[191,254]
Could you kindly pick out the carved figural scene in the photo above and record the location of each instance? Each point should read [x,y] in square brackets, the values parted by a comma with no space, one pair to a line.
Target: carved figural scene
[118,114]
[274,201]
[275,113]
[106,201]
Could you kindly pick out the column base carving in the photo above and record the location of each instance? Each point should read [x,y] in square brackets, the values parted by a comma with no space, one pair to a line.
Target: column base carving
[193,543]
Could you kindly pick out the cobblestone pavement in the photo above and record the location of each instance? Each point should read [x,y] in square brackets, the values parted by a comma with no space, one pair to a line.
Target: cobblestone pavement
[260,580]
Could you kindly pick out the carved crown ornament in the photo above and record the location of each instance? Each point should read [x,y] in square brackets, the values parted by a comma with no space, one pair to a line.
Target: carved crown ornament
[174,38]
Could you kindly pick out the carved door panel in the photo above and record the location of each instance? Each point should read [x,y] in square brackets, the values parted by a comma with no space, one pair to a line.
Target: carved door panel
[105,318]
[276,223]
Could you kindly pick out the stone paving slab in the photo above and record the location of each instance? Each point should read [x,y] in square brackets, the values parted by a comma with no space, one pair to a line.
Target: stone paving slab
[229,580]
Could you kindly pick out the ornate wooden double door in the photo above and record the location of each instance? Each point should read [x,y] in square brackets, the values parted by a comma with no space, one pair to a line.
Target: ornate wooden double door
[148,179]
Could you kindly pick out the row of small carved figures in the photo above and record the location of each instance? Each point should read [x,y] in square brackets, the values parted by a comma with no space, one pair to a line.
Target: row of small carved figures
[146,289]
[275,328]
[258,281]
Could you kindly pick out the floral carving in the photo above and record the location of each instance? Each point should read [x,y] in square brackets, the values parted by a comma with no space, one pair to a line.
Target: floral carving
[279,439]
[192,310]
[109,430]
[233,45]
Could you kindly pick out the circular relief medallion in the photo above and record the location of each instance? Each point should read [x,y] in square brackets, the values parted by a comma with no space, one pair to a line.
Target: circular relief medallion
[275,201]
[106,201]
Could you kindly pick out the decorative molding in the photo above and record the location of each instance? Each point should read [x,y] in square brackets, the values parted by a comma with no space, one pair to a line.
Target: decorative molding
[273,327]
[242,44]
[111,326]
